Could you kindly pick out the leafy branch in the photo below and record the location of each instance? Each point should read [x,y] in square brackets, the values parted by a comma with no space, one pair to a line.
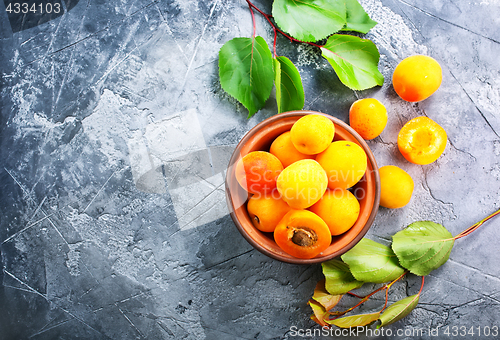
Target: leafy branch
[418,249]
[248,70]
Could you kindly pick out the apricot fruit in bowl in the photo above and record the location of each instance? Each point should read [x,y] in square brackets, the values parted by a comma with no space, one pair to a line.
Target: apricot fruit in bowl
[257,172]
[312,134]
[417,78]
[283,148]
[345,164]
[302,234]
[422,140]
[339,208]
[302,183]
[266,211]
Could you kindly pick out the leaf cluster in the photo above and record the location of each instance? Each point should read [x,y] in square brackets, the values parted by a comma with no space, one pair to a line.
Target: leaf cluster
[420,248]
[248,70]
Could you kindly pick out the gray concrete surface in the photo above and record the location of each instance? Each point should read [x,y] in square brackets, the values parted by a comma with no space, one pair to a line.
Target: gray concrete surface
[115,134]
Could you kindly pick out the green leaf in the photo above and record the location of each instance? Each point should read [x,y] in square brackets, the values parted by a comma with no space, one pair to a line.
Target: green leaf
[398,310]
[354,320]
[246,71]
[357,19]
[309,20]
[355,61]
[338,278]
[370,261]
[423,246]
[324,298]
[289,90]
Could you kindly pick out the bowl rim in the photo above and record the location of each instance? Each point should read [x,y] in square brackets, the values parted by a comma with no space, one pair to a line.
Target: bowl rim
[371,158]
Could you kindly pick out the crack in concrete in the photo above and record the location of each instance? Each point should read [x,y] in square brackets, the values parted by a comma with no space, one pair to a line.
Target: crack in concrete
[477,108]
[496,301]
[448,22]
[426,186]
[90,35]
[227,260]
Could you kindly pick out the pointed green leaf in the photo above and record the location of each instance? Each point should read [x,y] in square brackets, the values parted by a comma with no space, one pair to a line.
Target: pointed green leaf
[355,61]
[354,320]
[423,246]
[289,90]
[338,278]
[246,71]
[324,298]
[357,19]
[398,310]
[310,20]
[370,261]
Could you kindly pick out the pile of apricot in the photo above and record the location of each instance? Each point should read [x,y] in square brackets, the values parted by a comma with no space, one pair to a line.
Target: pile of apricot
[299,188]
[421,140]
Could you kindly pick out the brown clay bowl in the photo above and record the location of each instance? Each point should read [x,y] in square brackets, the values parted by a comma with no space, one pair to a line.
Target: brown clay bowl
[367,190]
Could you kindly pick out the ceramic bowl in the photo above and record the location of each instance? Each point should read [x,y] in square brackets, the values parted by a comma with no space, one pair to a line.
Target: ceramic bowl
[367,190]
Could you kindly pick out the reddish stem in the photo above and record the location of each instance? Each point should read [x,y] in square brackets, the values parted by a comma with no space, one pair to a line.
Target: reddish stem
[364,299]
[387,290]
[253,20]
[422,285]
[356,295]
[476,226]
[276,29]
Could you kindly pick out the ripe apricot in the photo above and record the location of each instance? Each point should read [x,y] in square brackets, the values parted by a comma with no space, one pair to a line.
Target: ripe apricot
[344,162]
[282,147]
[422,140]
[302,234]
[417,77]
[339,208]
[257,172]
[396,187]
[368,117]
[266,211]
[302,183]
[312,134]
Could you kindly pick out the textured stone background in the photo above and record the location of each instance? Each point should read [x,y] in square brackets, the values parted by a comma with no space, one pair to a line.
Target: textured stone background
[115,134]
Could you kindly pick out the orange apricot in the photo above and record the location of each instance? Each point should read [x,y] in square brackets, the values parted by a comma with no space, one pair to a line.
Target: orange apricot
[302,234]
[368,117]
[339,208]
[416,78]
[396,187]
[283,148]
[422,140]
[302,183]
[345,164]
[311,134]
[266,211]
[257,172]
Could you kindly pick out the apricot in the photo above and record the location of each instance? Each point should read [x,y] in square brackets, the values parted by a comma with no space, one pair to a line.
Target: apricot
[345,164]
[282,147]
[257,172]
[396,187]
[368,117]
[422,140]
[417,77]
[266,211]
[302,183]
[302,234]
[312,134]
[339,208]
